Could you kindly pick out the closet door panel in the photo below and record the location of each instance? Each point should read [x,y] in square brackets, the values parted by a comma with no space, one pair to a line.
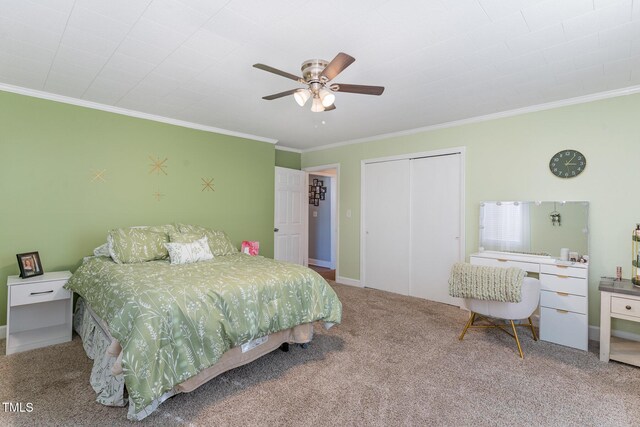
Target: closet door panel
[386,226]
[435,225]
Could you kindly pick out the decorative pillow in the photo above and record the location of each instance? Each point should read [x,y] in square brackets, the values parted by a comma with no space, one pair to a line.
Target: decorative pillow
[178,237]
[102,250]
[133,245]
[219,242]
[166,229]
[187,253]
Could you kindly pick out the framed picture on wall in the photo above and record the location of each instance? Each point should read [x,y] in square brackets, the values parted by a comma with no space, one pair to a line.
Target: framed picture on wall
[321,196]
[30,265]
[315,182]
[316,202]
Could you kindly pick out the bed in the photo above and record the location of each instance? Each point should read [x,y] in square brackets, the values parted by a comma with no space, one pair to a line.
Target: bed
[158,329]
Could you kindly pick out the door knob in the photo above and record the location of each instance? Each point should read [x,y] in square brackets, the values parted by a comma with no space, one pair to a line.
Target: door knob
[628,307]
[275,230]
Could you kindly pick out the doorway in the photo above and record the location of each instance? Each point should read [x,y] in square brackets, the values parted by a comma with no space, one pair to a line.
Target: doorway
[322,220]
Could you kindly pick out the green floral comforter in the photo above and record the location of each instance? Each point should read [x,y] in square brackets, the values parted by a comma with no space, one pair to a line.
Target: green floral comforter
[173,321]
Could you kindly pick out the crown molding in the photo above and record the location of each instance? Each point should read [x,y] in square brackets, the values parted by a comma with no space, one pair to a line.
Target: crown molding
[283,148]
[503,114]
[138,114]
[126,112]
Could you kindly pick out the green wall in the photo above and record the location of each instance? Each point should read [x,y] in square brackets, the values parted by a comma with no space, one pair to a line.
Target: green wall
[288,159]
[507,159]
[51,151]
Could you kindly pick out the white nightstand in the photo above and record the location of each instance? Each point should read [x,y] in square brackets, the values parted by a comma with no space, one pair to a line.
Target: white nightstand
[619,300]
[38,311]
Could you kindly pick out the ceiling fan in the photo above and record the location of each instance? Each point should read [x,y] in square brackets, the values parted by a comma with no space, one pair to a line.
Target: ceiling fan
[317,75]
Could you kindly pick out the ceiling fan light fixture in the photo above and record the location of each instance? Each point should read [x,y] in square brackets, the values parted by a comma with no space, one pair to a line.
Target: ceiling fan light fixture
[317,106]
[317,75]
[302,96]
[326,97]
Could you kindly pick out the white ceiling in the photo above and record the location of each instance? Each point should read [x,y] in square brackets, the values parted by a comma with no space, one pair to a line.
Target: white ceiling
[440,60]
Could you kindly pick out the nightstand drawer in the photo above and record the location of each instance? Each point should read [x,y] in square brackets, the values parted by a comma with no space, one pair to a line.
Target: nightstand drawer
[563,301]
[570,285]
[626,306]
[564,270]
[38,292]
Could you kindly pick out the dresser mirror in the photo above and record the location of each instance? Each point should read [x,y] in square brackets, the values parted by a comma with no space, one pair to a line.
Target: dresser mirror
[535,228]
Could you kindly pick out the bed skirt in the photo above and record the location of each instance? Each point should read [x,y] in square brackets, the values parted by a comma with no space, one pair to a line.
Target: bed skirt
[107,378]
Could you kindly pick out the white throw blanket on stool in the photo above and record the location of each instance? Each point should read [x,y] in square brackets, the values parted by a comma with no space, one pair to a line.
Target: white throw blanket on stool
[486,283]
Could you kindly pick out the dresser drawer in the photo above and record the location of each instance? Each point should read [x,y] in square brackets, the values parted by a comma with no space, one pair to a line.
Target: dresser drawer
[563,270]
[493,262]
[564,327]
[570,285]
[38,292]
[626,306]
[563,301]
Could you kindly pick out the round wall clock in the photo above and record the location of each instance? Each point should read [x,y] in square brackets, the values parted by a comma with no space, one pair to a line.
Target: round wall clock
[567,163]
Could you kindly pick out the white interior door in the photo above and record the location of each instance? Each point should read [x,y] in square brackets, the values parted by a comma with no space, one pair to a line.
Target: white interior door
[290,215]
[386,226]
[436,187]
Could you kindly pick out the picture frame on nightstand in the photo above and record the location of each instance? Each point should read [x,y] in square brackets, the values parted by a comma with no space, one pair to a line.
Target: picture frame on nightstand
[30,265]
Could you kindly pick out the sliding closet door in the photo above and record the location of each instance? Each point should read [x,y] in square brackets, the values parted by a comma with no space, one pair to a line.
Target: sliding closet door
[386,226]
[435,225]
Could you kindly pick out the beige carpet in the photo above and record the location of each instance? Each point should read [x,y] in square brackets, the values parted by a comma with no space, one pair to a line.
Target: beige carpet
[394,361]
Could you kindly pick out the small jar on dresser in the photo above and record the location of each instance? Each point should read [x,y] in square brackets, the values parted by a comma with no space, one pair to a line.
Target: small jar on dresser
[564,287]
[39,311]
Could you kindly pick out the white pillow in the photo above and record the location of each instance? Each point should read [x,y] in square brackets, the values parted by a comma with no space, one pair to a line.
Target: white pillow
[187,253]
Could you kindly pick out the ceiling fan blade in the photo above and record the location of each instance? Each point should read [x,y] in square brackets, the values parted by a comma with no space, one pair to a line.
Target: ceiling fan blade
[337,65]
[280,95]
[278,72]
[330,107]
[362,89]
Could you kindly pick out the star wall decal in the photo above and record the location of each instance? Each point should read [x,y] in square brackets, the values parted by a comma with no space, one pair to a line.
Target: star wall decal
[207,184]
[99,175]
[158,195]
[158,165]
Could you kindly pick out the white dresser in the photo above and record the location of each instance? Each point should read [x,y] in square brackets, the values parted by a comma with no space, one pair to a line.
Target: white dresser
[564,301]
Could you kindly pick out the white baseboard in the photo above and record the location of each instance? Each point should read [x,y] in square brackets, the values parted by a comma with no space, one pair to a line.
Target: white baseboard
[320,263]
[3,332]
[594,334]
[347,281]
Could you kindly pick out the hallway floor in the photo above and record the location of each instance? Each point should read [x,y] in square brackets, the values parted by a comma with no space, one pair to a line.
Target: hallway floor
[327,273]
